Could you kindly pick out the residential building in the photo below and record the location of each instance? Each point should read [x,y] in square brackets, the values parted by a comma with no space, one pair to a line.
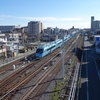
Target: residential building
[24,29]
[35,27]
[3,40]
[3,51]
[95,24]
[56,30]
[12,42]
[7,28]
[92,19]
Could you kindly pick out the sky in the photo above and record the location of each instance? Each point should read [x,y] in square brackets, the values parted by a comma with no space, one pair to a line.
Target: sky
[52,13]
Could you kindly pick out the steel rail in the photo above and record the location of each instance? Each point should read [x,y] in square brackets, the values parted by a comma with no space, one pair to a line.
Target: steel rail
[63,94]
[8,92]
[28,93]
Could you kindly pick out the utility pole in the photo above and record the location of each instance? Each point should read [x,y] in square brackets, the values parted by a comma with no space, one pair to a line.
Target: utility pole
[38,39]
[12,44]
[2,48]
[63,69]
[6,50]
[16,48]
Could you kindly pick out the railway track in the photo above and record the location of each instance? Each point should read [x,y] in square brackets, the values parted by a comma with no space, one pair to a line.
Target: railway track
[43,78]
[23,70]
[69,92]
[70,75]
[41,87]
[9,66]
[11,82]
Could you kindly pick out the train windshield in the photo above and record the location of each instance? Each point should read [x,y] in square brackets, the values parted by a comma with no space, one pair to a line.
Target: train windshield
[39,51]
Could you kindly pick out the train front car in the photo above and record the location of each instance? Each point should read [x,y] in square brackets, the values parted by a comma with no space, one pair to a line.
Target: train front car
[44,50]
[39,52]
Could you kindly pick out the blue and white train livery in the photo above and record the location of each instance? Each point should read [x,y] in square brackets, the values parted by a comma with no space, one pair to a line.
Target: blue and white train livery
[49,47]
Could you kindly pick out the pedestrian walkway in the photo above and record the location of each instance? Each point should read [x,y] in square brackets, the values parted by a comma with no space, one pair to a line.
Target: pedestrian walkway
[20,55]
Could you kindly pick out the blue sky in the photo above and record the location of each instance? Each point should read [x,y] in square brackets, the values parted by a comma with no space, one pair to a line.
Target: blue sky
[52,13]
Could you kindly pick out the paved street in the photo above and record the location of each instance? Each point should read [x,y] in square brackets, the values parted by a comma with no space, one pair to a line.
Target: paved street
[90,80]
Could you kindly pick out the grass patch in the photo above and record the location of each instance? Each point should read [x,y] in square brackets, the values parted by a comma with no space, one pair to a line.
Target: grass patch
[56,89]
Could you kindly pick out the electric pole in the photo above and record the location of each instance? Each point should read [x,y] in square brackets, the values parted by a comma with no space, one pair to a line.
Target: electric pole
[63,70]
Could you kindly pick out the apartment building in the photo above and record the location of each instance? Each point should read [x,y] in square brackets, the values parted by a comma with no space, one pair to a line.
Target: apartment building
[35,28]
[3,50]
[95,24]
[9,43]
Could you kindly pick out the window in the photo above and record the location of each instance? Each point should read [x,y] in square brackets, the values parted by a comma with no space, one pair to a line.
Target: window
[39,51]
[50,48]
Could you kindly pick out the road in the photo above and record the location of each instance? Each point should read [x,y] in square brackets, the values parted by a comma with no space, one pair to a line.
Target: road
[90,78]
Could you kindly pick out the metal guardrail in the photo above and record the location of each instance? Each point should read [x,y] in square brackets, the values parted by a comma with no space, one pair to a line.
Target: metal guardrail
[71,95]
[79,77]
[9,60]
[74,83]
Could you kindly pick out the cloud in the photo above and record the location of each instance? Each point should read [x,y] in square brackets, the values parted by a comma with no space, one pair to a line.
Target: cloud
[43,18]
[71,19]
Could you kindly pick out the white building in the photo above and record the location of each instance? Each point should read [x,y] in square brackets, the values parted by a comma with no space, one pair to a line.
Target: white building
[11,42]
[35,27]
[95,24]
[3,38]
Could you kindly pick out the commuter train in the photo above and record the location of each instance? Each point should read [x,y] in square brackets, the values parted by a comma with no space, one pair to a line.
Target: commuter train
[49,47]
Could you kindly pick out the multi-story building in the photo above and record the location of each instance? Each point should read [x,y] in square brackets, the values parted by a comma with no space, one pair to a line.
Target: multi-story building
[34,28]
[3,39]
[95,24]
[3,51]
[11,41]
[92,19]
[7,28]
[56,30]
[24,29]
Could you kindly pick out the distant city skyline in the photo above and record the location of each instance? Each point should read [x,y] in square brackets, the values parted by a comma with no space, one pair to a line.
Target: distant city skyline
[52,13]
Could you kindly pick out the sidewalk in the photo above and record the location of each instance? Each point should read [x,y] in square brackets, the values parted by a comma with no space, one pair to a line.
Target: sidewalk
[20,55]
